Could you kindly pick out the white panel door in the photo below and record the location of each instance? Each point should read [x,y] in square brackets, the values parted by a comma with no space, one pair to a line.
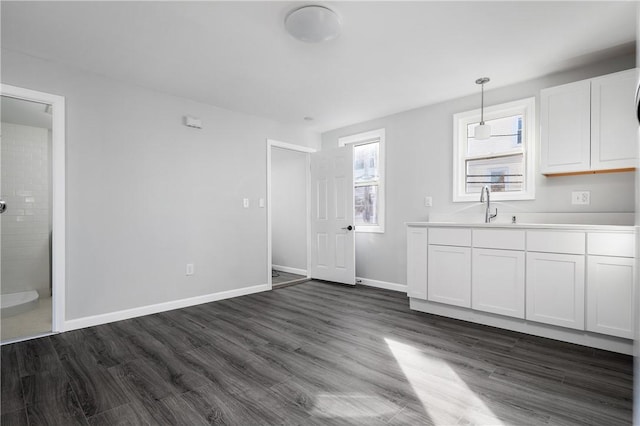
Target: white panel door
[498,281]
[449,275]
[332,231]
[614,128]
[565,121]
[555,289]
[610,295]
[417,262]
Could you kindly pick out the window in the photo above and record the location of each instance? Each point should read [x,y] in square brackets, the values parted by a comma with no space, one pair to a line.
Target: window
[368,179]
[504,162]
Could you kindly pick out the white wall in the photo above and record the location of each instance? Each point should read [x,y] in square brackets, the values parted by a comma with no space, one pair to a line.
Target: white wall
[289,208]
[147,195]
[419,164]
[26,222]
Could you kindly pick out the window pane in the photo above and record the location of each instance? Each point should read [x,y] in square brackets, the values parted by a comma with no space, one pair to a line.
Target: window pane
[365,162]
[502,174]
[506,135]
[366,205]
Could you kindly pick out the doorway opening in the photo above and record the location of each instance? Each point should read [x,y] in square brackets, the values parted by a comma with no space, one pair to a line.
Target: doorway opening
[32,214]
[288,168]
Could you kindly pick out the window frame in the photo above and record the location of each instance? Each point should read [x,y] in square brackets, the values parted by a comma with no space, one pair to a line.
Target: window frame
[526,107]
[364,138]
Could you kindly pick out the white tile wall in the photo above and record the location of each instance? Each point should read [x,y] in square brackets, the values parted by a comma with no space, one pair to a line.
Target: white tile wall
[25,186]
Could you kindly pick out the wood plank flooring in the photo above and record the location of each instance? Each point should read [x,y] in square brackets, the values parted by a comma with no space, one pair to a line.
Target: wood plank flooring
[314,353]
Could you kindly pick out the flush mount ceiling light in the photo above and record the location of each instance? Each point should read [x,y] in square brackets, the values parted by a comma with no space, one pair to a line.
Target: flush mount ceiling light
[482,131]
[313,24]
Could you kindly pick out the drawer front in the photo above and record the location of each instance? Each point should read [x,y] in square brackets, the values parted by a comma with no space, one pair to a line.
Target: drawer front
[556,242]
[610,244]
[450,236]
[505,239]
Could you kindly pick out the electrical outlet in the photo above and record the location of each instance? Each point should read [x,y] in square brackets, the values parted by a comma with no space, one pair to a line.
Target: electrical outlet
[190,270]
[428,201]
[581,197]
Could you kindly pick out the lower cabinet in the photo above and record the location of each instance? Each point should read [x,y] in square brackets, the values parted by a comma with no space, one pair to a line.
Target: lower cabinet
[417,262]
[449,275]
[561,277]
[498,282]
[610,295]
[555,289]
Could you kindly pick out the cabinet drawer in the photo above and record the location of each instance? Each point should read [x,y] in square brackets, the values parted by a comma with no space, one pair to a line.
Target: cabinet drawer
[450,236]
[505,239]
[610,244]
[556,242]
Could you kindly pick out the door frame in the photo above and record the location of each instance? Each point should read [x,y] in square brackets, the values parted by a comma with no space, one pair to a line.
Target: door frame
[58,214]
[271,143]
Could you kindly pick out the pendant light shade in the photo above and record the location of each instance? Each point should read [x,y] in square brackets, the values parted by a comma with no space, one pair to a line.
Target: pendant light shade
[482,131]
[313,24]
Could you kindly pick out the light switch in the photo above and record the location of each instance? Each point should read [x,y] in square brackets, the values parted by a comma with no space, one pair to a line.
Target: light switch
[245,203]
[261,203]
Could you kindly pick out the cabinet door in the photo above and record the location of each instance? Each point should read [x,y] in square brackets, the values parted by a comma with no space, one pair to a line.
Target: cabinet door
[417,262]
[498,282]
[565,120]
[610,295]
[614,129]
[555,289]
[449,275]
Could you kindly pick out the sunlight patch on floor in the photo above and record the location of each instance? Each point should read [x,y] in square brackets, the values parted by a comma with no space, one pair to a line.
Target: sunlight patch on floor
[444,395]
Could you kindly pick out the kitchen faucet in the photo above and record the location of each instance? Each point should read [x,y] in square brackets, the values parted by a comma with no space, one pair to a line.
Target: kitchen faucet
[487,215]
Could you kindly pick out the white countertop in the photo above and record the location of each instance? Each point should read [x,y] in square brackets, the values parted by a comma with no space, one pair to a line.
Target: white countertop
[554,226]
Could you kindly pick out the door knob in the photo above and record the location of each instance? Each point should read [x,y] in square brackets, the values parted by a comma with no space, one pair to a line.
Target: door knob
[348,228]
[3,206]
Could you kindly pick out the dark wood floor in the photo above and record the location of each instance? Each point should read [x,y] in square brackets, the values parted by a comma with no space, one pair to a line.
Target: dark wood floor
[314,353]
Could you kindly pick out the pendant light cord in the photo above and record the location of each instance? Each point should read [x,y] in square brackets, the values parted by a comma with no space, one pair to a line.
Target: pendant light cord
[482,104]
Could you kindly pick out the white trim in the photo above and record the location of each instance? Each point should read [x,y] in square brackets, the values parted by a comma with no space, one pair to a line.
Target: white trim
[381,284]
[578,337]
[292,147]
[271,143]
[161,307]
[58,222]
[525,106]
[378,135]
[290,270]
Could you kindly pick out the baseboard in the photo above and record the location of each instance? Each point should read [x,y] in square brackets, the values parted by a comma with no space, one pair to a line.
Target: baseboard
[160,307]
[296,271]
[578,337]
[382,284]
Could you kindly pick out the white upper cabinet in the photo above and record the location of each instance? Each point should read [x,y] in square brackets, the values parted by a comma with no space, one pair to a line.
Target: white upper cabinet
[589,125]
[614,128]
[565,120]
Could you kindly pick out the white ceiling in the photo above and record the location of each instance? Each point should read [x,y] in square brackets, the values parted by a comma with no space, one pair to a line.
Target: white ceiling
[390,57]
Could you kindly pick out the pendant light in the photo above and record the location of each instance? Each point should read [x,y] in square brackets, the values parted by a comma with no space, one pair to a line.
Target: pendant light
[482,131]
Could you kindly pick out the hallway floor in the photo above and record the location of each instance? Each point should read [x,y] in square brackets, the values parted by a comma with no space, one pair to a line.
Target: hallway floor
[31,323]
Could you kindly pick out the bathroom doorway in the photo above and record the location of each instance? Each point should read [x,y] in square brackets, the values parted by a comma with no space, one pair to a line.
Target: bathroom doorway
[31,163]
[288,213]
